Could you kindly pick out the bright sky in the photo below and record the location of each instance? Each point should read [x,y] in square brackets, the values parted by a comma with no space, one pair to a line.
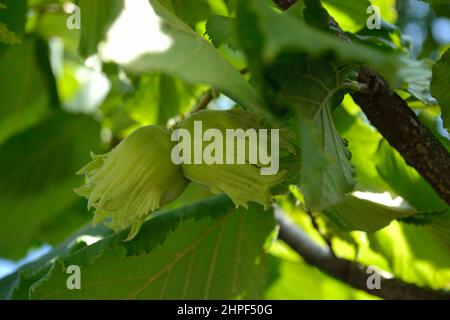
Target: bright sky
[8,266]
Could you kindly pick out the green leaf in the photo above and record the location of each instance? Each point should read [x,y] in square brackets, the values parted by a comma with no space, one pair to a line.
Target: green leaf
[297,280]
[359,214]
[363,143]
[27,88]
[311,87]
[231,4]
[190,12]
[424,219]
[439,229]
[416,75]
[388,10]
[159,97]
[13,16]
[17,284]
[55,230]
[316,15]
[220,31]
[52,25]
[439,86]
[96,17]
[206,250]
[275,40]
[350,15]
[436,223]
[250,38]
[172,47]
[405,181]
[37,169]
[6,36]
[327,174]
[414,254]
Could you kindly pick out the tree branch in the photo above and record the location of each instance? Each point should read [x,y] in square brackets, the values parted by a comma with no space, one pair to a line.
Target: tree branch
[348,271]
[204,101]
[399,125]
[284,4]
[209,96]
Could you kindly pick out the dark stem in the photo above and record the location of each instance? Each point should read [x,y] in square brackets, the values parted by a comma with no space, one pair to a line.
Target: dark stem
[400,126]
[350,272]
[204,101]
[209,96]
[324,236]
[419,147]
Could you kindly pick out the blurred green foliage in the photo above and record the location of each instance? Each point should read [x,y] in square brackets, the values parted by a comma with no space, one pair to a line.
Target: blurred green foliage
[65,92]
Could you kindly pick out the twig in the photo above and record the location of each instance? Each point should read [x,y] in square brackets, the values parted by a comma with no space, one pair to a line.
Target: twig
[209,96]
[350,272]
[400,126]
[204,101]
[325,237]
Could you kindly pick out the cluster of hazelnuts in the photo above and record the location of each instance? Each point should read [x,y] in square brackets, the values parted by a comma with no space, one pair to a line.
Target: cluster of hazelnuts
[139,175]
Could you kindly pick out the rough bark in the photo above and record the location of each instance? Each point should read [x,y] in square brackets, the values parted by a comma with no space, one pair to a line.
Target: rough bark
[400,126]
